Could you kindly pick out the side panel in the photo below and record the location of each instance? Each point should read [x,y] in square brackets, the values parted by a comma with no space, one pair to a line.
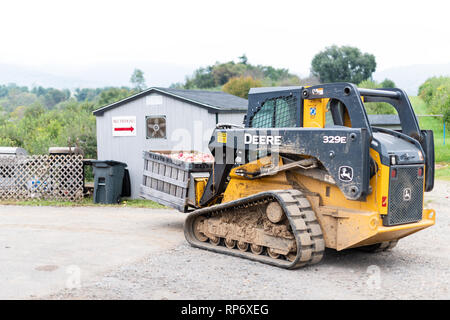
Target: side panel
[332,147]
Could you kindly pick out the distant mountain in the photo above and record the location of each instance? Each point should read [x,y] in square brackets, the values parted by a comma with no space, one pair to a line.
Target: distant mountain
[89,76]
[27,76]
[409,78]
[118,74]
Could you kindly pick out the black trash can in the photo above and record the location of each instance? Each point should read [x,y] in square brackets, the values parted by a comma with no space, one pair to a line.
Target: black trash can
[108,180]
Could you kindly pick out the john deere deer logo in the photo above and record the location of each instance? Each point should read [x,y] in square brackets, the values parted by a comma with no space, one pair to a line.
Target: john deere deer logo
[345,173]
[406,194]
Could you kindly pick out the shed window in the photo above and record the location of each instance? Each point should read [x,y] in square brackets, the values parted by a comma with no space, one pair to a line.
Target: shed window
[156,127]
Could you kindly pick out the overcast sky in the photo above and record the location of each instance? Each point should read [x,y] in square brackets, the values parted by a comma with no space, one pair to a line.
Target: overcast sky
[194,33]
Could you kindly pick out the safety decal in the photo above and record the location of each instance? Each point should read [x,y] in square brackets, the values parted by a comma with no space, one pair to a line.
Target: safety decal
[317,91]
[221,137]
[383,201]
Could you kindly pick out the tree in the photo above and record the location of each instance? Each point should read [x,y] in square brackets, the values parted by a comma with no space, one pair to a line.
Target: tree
[54,96]
[34,111]
[137,80]
[176,85]
[348,64]
[225,71]
[18,112]
[216,75]
[243,59]
[112,95]
[240,86]
[87,94]
[201,79]
[39,91]
[275,74]
[388,83]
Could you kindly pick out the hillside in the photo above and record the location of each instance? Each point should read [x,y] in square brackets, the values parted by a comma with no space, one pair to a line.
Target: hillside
[409,78]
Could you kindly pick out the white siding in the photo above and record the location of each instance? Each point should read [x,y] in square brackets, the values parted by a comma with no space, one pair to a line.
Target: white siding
[189,127]
[234,118]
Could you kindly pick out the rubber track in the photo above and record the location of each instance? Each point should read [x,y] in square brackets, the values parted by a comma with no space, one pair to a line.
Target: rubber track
[302,219]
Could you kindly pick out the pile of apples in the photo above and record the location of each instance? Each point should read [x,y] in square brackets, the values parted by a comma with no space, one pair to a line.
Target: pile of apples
[192,157]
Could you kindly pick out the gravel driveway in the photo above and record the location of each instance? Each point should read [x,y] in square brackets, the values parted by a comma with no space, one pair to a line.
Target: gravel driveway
[418,268]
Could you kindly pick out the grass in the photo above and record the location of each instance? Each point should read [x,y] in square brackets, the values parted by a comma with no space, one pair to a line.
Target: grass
[443,172]
[86,202]
[442,152]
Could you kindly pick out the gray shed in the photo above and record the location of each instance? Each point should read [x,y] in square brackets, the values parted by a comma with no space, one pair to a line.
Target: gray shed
[162,119]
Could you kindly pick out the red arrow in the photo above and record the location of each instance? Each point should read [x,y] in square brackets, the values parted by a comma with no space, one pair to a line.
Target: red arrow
[124,129]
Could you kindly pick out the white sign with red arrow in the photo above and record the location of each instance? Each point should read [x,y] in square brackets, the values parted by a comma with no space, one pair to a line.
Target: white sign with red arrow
[124,126]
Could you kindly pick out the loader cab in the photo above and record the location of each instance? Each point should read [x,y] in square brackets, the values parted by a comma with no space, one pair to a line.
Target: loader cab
[340,105]
[291,122]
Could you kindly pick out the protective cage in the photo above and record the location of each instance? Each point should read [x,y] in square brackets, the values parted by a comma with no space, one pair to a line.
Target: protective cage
[276,113]
[405,195]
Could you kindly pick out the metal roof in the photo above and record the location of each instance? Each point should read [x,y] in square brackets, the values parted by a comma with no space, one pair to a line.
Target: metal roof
[384,119]
[214,101]
[12,151]
[272,89]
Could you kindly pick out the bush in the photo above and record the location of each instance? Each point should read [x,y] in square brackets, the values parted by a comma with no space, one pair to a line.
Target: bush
[7,142]
[239,86]
[388,83]
[213,77]
[428,88]
[436,94]
[376,107]
[447,116]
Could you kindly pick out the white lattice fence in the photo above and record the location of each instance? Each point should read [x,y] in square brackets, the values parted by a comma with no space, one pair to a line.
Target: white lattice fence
[47,177]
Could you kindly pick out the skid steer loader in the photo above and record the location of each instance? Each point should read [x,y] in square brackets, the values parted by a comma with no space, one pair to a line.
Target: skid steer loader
[307,171]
